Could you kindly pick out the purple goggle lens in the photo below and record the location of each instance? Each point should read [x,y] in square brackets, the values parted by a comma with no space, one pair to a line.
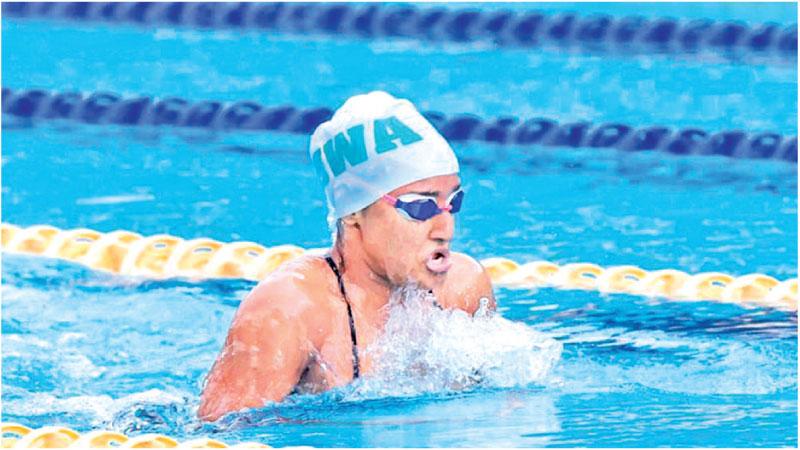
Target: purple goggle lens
[424,209]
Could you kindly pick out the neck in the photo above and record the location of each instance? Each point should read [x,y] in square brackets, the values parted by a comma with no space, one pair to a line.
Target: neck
[367,290]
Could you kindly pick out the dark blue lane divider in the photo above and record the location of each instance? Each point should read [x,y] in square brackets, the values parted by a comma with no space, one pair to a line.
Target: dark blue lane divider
[501,28]
[109,108]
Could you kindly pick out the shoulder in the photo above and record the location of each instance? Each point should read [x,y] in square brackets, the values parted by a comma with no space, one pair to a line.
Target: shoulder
[467,283]
[285,288]
[295,294]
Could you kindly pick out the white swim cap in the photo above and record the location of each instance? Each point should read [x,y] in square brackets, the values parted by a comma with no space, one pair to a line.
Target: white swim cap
[374,144]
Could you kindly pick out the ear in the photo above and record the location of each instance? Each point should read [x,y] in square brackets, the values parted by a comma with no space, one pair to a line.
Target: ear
[352,220]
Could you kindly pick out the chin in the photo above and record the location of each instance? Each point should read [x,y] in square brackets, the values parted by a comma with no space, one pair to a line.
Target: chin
[430,280]
[424,278]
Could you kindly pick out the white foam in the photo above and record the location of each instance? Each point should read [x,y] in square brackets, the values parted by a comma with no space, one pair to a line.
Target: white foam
[101,409]
[425,349]
[77,365]
[726,368]
[741,369]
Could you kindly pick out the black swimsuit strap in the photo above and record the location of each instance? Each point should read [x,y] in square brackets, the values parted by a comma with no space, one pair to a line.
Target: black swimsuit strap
[349,315]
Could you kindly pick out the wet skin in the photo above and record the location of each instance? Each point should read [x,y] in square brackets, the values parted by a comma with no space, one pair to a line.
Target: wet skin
[292,329]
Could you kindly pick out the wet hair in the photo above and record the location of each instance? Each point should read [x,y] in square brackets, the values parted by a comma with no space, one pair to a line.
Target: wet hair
[337,243]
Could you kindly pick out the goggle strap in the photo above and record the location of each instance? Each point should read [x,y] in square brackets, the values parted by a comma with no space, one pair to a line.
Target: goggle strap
[392,201]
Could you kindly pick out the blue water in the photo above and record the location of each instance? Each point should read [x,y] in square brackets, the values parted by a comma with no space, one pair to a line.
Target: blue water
[452,78]
[92,350]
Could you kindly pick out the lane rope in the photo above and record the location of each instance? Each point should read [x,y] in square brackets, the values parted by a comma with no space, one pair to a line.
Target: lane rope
[503,29]
[15,435]
[163,255]
[106,108]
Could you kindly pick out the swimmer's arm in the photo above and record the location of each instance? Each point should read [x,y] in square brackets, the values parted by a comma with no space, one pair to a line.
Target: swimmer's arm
[470,283]
[263,358]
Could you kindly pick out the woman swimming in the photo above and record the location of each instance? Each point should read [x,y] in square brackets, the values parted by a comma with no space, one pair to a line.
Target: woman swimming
[392,187]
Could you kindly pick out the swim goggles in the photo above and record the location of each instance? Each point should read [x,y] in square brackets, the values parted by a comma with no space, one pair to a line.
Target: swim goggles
[420,207]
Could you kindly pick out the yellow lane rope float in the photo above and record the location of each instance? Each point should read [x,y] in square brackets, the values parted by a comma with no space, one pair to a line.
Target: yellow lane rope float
[162,255]
[20,436]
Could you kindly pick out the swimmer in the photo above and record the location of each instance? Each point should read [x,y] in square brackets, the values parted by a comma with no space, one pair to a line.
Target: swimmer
[392,190]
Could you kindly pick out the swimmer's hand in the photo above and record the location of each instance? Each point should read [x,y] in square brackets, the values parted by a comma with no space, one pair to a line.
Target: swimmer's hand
[484,308]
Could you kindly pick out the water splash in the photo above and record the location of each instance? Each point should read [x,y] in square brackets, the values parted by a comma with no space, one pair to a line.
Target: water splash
[124,413]
[425,349]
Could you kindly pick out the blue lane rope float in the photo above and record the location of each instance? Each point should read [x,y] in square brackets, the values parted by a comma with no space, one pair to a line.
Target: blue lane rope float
[500,28]
[109,108]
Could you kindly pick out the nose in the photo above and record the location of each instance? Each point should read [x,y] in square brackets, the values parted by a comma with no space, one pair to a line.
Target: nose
[443,226]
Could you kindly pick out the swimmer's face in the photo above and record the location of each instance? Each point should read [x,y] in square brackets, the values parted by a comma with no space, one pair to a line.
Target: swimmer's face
[404,250]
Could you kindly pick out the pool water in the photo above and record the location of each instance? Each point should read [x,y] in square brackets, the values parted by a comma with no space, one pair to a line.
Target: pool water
[93,350]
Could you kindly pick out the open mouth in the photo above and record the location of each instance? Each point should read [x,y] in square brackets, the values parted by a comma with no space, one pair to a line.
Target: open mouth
[439,261]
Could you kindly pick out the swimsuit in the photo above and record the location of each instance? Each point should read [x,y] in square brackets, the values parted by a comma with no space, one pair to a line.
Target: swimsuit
[336,272]
[349,315]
